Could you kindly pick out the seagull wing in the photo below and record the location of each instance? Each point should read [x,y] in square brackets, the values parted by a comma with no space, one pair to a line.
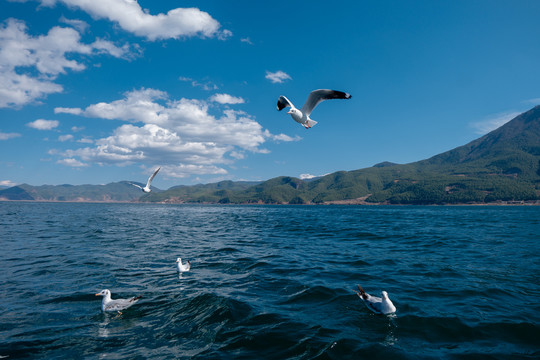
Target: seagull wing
[152,177]
[140,187]
[121,304]
[316,96]
[283,102]
[373,303]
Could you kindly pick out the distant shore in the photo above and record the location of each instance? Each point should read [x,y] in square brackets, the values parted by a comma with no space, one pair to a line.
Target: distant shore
[327,203]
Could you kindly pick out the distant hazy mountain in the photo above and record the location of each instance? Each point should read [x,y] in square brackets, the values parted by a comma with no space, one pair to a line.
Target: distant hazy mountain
[503,165]
[119,191]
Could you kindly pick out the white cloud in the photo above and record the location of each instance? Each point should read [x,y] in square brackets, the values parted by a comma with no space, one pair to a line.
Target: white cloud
[226,99]
[41,124]
[22,55]
[80,25]
[225,34]
[246,40]
[309,176]
[77,128]
[533,101]
[71,162]
[182,170]
[277,77]
[492,123]
[206,85]
[86,140]
[284,137]
[74,111]
[7,183]
[128,14]
[180,134]
[66,137]
[7,136]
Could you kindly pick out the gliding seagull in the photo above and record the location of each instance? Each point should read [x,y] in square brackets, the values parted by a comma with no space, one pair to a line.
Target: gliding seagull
[146,189]
[315,97]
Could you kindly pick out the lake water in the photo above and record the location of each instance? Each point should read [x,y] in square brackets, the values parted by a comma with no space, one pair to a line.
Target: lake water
[269,282]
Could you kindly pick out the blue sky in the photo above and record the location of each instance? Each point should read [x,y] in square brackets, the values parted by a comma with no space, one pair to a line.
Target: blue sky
[107,90]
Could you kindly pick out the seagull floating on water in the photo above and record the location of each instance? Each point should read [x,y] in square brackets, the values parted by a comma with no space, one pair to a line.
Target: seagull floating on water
[183,267]
[110,305]
[146,189]
[315,97]
[376,304]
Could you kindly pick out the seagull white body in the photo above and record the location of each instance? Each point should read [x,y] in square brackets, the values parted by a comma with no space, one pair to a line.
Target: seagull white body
[183,267]
[110,305]
[146,189]
[302,116]
[376,304]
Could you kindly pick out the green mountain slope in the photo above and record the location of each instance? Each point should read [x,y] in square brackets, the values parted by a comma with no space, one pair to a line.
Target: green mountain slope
[119,191]
[503,165]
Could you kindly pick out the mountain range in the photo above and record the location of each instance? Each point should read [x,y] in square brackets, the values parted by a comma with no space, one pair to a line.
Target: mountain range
[501,166]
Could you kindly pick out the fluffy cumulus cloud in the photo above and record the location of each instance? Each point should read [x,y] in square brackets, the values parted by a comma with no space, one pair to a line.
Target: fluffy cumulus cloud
[29,65]
[182,135]
[128,14]
[226,99]
[41,124]
[277,77]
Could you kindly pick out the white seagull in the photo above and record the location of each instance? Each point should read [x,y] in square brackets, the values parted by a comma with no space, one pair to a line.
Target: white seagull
[315,97]
[110,305]
[376,304]
[146,189]
[183,267]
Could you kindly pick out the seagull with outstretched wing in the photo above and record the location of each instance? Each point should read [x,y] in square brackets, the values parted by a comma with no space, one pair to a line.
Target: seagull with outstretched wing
[147,189]
[315,97]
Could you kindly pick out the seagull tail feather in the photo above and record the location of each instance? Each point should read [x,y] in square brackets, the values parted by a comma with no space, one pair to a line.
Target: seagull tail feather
[362,293]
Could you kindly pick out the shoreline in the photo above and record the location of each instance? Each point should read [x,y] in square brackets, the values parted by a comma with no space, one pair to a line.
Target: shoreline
[352,202]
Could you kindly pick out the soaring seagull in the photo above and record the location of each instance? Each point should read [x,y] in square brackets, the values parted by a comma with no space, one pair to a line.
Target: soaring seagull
[146,189]
[315,97]
[376,304]
[108,304]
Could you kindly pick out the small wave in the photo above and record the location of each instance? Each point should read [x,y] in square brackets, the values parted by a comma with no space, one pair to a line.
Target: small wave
[316,294]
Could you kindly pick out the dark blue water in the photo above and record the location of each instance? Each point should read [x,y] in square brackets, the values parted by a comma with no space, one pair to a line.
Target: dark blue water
[269,282]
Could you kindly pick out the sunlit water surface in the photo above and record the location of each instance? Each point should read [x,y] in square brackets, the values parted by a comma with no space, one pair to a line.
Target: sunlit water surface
[269,282]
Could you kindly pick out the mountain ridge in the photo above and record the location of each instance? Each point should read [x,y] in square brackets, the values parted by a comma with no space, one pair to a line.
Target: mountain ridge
[501,166]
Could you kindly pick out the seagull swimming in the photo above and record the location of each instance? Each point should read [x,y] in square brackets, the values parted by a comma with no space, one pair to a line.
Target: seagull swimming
[109,305]
[146,189]
[376,304]
[315,97]
[182,267]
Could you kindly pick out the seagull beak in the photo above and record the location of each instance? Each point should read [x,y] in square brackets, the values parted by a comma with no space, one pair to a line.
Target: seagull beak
[98,294]
[289,112]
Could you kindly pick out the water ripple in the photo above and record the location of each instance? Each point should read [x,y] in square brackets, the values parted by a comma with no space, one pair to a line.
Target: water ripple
[269,281]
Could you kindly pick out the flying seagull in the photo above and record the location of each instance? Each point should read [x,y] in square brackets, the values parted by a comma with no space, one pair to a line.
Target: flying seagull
[182,267]
[110,305]
[147,189]
[315,97]
[376,304]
